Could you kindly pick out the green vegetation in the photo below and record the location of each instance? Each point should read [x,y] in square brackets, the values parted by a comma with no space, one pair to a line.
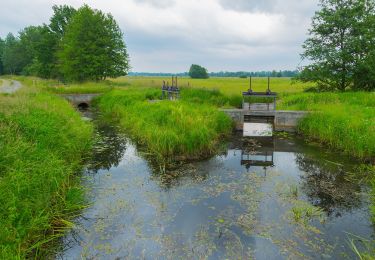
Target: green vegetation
[341,46]
[42,142]
[56,87]
[92,47]
[88,87]
[342,120]
[169,130]
[77,45]
[227,86]
[198,72]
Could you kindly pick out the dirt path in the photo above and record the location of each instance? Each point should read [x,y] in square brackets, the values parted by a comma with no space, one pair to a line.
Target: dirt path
[9,86]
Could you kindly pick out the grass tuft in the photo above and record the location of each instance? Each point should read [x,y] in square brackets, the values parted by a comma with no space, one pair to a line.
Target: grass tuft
[169,129]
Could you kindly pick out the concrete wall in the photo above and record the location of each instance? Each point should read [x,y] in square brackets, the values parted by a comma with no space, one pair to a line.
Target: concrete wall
[77,99]
[288,120]
[284,120]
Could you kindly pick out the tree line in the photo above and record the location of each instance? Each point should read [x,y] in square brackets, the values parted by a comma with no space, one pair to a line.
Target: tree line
[341,46]
[76,45]
[231,74]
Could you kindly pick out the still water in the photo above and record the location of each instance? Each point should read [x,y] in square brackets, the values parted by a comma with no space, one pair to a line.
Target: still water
[277,198]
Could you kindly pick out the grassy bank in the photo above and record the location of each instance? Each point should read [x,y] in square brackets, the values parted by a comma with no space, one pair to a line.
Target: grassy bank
[345,121]
[170,130]
[42,142]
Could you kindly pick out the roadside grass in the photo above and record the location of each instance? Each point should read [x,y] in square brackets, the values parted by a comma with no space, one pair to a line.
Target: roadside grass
[345,121]
[170,130]
[43,141]
[57,87]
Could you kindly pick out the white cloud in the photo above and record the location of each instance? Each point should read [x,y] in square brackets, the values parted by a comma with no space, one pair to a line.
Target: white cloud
[169,35]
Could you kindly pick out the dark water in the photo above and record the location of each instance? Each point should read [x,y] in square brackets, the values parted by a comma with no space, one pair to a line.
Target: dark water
[269,199]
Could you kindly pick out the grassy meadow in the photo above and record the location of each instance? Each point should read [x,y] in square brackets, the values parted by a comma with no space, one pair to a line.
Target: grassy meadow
[227,86]
[43,141]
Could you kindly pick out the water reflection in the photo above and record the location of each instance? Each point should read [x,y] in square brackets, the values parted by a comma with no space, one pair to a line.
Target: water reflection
[236,205]
[328,185]
[257,152]
[109,147]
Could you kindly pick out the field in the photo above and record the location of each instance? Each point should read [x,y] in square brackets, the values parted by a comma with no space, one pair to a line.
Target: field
[43,141]
[228,86]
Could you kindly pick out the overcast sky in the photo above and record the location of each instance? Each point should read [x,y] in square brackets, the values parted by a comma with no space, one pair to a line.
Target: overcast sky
[170,35]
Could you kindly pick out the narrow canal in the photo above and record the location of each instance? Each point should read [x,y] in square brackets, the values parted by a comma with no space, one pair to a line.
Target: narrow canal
[275,199]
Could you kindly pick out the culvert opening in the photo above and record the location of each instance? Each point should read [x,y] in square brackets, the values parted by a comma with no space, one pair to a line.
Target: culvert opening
[83,106]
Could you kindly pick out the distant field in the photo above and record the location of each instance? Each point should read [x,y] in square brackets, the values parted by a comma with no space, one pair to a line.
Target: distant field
[228,86]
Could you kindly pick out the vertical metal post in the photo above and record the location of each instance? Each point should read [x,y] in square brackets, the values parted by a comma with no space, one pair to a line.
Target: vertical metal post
[275,103]
[162,90]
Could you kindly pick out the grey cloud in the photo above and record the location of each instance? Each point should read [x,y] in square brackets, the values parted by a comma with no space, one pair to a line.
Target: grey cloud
[299,7]
[158,3]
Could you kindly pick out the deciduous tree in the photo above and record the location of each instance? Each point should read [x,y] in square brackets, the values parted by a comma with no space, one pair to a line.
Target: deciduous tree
[2,44]
[12,55]
[336,46]
[198,72]
[92,47]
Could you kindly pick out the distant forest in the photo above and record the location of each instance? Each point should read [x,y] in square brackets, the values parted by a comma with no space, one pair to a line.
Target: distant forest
[239,74]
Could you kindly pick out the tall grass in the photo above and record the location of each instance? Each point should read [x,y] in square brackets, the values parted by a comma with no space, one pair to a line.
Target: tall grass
[341,120]
[169,129]
[42,142]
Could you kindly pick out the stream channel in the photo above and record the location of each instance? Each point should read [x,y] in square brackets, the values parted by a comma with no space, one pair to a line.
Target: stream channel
[281,198]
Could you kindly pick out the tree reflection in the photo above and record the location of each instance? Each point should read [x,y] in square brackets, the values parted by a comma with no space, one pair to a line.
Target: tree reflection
[328,186]
[109,147]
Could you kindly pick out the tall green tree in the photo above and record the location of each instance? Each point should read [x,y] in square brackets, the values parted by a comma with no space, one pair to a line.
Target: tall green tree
[13,59]
[62,14]
[2,44]
[364,76]
[198,72]
[92,47]
[30,38]
[336,46]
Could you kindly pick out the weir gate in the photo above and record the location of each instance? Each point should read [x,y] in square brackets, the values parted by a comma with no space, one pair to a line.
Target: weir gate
[259,117]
